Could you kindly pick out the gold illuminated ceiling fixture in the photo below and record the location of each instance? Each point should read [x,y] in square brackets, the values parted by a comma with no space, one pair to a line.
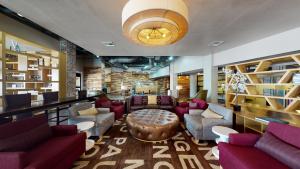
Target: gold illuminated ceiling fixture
[155,22]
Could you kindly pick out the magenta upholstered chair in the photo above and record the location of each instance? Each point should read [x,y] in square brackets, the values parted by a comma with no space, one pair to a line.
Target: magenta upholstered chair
[184,107]
[278,148]
[32,143]
[115,106]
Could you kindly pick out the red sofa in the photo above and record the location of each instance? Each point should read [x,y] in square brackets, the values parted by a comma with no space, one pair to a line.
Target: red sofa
[184,107]
[250,151]
[115,106]
[141,102]
[32,144]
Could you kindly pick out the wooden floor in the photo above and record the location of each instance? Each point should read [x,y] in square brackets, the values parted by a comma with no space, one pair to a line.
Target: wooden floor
[119,150]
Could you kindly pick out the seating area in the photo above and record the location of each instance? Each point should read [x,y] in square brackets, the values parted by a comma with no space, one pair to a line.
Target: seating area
[150,84]
[150,102]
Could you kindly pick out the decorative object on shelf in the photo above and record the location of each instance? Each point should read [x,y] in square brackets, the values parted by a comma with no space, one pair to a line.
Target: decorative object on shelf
[267,120]
[41,61]
[155,23]
[35,77]
[296,78]
[238,85]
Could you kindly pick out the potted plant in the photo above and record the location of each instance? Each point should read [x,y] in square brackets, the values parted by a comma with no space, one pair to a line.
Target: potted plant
[238,85]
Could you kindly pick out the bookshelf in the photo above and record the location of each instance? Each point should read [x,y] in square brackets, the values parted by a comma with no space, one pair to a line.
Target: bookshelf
[200,78]
[221,90]
[270,90]
[27,67]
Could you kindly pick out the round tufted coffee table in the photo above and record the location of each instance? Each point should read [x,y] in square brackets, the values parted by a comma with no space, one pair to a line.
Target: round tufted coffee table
[152,124]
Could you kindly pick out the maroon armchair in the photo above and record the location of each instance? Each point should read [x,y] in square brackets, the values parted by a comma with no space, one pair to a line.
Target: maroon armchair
[184,107]
[115,106]
[32,144]
[278,148]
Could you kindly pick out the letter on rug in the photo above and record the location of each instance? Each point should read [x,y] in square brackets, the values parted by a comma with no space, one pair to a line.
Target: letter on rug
[112,151]
[182,148]
[163,163]
[110,163]
[135,164]
[190,159]
[120,140]
[160,154]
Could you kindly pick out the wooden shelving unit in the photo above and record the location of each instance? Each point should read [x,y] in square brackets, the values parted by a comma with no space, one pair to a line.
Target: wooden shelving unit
[28,67]
[200,79]
[269,89]
[221,82]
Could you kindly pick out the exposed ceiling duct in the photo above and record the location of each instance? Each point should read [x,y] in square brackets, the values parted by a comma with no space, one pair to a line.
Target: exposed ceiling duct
[144,63]
[122,60]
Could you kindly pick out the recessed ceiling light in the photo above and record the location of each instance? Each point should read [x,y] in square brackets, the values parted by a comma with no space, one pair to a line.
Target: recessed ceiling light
[19,15]
[109,44]
[215,43]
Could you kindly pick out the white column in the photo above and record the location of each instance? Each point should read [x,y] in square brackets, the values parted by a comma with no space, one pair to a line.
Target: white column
[193,85]
[173,81]
[211,79]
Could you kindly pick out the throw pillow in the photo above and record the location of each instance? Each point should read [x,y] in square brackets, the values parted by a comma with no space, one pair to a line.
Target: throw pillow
[106,104]
[201,103]
[183,104]
[165,100]
[193,105]
[26,140]
[152,99]
[137,100]
[282,151]
[195,111]
[209,114]
[90,111]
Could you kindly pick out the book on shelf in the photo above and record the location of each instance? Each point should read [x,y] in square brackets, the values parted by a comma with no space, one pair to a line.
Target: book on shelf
[267,120]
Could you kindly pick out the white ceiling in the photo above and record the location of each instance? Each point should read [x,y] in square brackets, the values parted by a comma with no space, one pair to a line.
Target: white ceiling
[89,22]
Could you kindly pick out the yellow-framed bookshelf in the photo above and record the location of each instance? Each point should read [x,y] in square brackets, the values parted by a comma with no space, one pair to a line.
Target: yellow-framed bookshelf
[270,90]
[28,67]
[221,89]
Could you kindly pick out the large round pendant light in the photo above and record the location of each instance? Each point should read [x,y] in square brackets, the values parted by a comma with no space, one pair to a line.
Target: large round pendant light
[155,22]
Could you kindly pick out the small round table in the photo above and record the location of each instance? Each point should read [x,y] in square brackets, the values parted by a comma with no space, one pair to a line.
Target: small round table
[223,132]
[84,127]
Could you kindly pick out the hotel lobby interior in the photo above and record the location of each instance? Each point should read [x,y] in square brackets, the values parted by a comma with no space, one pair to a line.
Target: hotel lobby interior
[149,84]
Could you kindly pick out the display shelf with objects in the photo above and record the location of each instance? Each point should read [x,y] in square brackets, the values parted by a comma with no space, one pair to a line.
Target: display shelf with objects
[221,89]
[200,79]
[272,88]
[28,67]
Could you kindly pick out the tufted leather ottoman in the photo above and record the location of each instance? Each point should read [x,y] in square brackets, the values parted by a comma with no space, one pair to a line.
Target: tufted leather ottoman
[152,124]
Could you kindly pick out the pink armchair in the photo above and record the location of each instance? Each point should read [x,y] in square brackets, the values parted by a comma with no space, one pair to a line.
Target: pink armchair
[32,143]
[184,107]
[115,106]
[278,148]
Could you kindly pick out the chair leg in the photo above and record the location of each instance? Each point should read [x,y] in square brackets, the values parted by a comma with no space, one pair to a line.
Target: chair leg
[57,115]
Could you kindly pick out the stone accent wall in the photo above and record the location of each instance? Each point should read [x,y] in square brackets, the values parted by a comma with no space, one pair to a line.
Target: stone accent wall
[163,85]
[93,78]
[130,80]
[70,50]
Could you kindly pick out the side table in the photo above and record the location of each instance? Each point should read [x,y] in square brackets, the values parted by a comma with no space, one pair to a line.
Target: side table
[84,127]
[223,132]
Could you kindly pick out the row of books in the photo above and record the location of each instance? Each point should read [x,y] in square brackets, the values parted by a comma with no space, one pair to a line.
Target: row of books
[267,120]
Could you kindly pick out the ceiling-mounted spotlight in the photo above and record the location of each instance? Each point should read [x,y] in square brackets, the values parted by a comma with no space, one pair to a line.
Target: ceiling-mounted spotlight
[109,44]
[215,43]
[97,56]
[170,58]
[19,14]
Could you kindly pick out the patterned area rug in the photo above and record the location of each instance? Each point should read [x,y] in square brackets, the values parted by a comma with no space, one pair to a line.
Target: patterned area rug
[119,150]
